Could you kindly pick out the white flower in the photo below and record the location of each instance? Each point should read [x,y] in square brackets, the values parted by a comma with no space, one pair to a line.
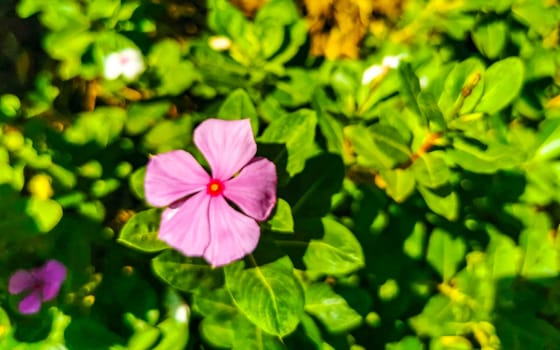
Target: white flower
[219,43]
[128,63]
[389,62]
[371,73]
[392,61]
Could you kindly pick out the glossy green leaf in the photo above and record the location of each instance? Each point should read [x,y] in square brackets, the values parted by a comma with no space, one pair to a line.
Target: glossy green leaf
[136,182]
[548,140]
[250,337]
[282,220]
[336,251]
[437,318]
[238,105]
[330,308]
[430,111]
[399,183]
[443,202]
[296,132]
[490,38]
[269,295]
[445,253]
[378,147]
[141,231]
[218,331]
[458,78]
[186,274]
[430,170]
[502,83]
[410,86]
[495,157]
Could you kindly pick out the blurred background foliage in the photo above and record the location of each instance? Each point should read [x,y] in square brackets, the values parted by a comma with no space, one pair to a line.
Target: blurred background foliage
[419,203]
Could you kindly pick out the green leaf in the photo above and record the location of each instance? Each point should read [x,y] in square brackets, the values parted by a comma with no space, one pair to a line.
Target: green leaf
[430,170]
[297,132]
[225,19]
[141,232]
[410,86]
[437,318]
[407,343]
[250,337]
[502,83]
[142,116]
[102,9]
[169,134]
[4,323]
[431,112]
[88,334]
[218,331]
[175,74]
[136,182]
[522,330]
[186,274]
[214,302]
[459,77]
[20,216]
[541,258]
[330,308]
[548,140]
[103,126]
[414,245]
[174,334]
[399,183]
[495,157]
[297,89]
[445,253]
[310,192]
[490,38]
[336,251]
[269,295]
[282,220]
[503,256]
[378,147]
[238,105]
[330,127]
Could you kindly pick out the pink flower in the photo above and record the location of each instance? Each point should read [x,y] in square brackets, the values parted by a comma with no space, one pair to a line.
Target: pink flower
[42,284]
[199,220]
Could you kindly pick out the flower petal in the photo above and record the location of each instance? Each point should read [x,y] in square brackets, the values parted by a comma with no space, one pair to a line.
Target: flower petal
[134,65]
[185,227]
[233,235]
[172,176]
[227,145]
[30,304]
[112,66]
[52,274]
[20,281]
[254,189]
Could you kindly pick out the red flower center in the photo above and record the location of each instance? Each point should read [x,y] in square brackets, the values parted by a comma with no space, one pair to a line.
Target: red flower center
[215,187]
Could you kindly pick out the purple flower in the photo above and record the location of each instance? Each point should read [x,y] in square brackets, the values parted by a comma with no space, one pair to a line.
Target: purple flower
[42,284]
[200,220]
